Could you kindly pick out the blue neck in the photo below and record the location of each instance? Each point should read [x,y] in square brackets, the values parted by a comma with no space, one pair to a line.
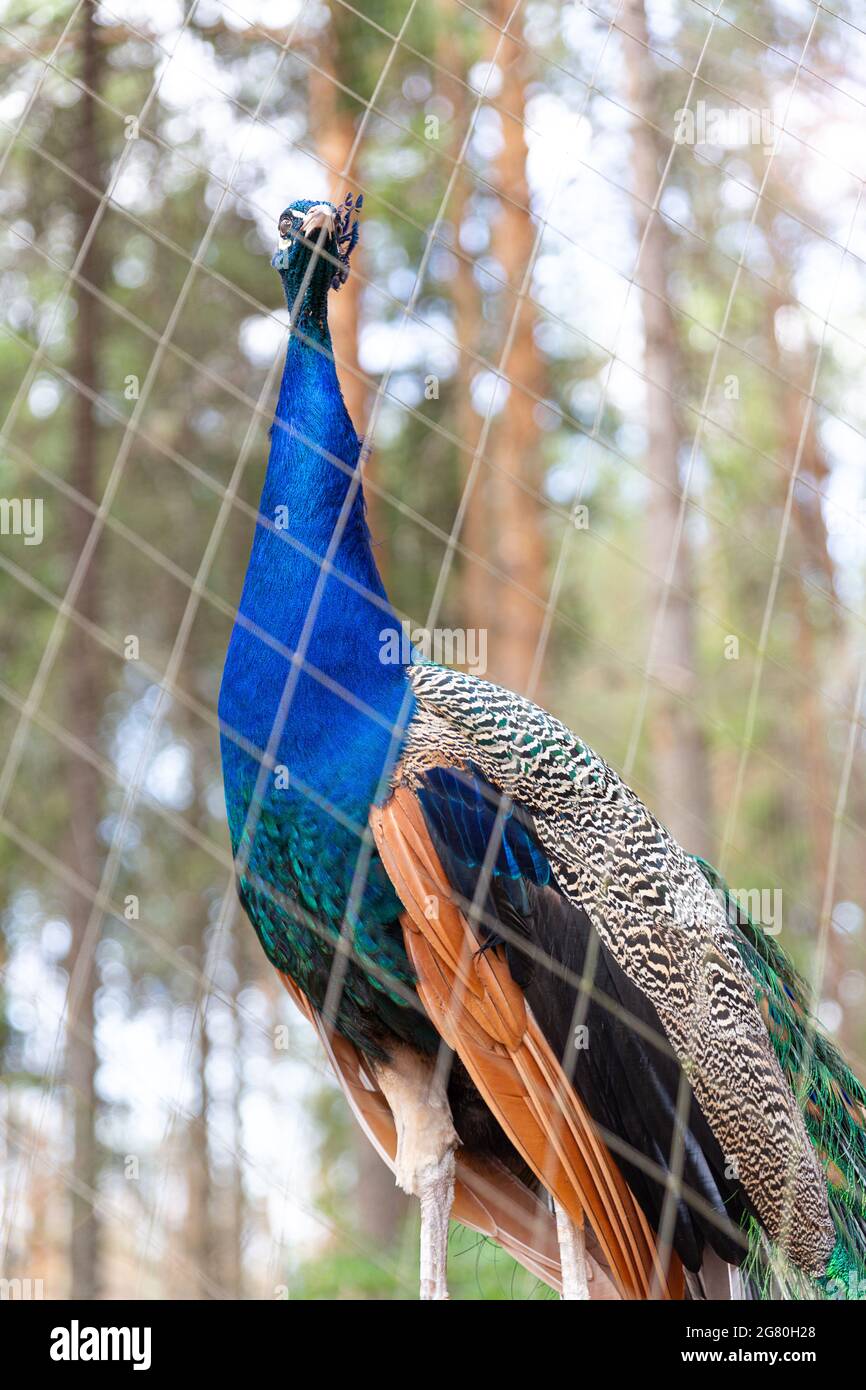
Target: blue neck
[311,488]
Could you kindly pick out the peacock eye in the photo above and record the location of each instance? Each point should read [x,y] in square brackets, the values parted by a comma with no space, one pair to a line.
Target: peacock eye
[285,226]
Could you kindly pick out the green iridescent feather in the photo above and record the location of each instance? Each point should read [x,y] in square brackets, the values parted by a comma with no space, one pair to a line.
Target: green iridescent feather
[833,1102]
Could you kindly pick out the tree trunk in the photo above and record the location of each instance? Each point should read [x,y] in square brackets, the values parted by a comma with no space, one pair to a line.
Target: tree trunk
[233,1244]
[334,125]
[808,551]
[85,698]
[519,545]
[682,784]
[379,1205]
[200,1241]
[812,537]
[475,586]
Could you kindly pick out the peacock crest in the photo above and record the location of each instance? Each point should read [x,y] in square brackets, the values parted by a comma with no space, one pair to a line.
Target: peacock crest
[346,236]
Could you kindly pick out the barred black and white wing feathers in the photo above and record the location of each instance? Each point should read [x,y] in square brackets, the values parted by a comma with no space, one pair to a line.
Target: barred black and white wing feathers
[576,864]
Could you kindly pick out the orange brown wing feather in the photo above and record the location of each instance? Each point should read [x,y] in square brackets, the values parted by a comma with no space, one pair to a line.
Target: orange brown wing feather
[482,1014]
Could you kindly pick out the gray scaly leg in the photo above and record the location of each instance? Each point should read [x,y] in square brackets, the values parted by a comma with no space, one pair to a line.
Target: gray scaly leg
[424,1167]
[572,1255]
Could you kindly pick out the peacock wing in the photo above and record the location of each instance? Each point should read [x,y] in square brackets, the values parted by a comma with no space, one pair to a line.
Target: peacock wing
[662,923]
[482,1014]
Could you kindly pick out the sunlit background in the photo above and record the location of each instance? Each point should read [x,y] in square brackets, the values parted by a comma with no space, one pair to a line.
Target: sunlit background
[611,286]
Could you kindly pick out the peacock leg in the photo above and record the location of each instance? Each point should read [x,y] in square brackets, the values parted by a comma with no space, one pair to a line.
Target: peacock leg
[572,1256]
[424,1165]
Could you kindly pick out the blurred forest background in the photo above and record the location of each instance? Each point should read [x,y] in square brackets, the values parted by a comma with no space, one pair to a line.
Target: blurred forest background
[607,328]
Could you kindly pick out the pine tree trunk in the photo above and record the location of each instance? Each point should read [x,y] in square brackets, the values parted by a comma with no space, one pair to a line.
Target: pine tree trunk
[682,785]
[85,698]
[475,579]
[808,551]
[333,122]
[519,544]
[233,1265]
[379,1205]
[200,1239]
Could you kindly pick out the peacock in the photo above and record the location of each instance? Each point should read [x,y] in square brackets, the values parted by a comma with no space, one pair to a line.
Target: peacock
[556,1025]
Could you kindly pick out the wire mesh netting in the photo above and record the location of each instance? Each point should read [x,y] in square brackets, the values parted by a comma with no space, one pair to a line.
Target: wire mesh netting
[602,338]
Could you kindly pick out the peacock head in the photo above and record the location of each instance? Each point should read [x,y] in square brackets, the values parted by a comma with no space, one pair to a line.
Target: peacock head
[316,240]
